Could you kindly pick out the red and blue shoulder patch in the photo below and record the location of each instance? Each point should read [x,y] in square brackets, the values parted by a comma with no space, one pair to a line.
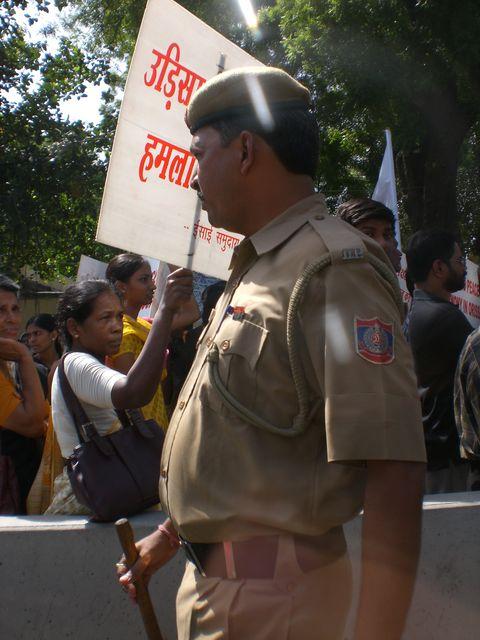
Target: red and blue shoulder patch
[374,340]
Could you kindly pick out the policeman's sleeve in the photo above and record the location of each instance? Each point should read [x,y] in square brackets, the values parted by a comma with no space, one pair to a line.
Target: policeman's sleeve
[353,333]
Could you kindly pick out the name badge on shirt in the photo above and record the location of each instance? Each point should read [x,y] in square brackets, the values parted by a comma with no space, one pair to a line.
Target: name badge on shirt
[236,313]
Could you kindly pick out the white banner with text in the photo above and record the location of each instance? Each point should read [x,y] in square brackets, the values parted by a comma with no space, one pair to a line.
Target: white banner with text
[148,206]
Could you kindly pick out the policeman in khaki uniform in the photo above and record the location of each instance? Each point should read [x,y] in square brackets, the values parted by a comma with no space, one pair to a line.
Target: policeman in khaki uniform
[301,406]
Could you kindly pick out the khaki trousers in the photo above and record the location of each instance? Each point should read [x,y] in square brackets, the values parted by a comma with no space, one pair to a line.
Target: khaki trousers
[293,606]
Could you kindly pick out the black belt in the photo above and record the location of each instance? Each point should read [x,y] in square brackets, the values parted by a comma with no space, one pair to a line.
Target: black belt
[256,558]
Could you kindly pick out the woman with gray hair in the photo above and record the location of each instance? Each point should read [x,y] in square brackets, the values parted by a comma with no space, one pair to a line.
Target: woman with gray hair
[23,409]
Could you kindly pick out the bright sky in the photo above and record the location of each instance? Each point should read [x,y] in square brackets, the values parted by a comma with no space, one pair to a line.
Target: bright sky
[85,109]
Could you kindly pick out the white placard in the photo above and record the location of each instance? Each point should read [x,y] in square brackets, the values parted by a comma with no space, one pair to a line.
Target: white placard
[468,299]
[90,269]
[148,206]
[160,273]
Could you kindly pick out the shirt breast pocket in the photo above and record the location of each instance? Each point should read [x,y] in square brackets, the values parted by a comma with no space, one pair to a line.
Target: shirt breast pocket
[234,363]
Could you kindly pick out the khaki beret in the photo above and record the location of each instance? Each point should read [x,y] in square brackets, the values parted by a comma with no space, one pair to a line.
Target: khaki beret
[245,91]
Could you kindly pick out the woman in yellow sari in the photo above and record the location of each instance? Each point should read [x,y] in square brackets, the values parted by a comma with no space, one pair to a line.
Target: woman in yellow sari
[132,278]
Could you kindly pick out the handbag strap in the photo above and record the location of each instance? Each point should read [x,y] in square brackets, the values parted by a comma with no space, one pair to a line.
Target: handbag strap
[134,418]
[83,424]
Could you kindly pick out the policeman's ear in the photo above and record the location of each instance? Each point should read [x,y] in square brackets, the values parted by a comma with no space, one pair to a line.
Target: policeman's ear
[247,151]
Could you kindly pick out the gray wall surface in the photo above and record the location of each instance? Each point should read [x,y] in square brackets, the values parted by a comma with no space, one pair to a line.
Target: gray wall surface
[57,577]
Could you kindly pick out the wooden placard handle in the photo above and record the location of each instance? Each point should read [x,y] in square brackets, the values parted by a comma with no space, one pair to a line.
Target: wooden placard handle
[125,535]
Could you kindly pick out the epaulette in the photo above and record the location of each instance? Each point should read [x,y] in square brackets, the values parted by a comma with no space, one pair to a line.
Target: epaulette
[343,243]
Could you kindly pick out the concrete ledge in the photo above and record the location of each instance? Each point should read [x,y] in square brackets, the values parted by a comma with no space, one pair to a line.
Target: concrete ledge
[58,581]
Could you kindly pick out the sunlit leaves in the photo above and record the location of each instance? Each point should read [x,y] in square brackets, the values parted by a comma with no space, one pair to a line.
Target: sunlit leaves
[52,169]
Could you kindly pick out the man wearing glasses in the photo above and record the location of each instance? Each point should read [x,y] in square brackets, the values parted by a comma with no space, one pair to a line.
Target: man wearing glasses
[437,331]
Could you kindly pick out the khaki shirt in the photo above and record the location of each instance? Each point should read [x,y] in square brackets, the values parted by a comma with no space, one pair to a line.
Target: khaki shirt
[223,478]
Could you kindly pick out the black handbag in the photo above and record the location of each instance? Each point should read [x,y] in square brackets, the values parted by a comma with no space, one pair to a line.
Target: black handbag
[114,475]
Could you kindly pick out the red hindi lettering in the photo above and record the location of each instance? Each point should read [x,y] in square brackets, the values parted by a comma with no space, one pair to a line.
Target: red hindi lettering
[167,65]
[204,233]
[169,59]
[175,164]
[232,242]
[178,167]
[154,67]
[188,85]
[163,158]
[222,240]
[147,160]
[170,88]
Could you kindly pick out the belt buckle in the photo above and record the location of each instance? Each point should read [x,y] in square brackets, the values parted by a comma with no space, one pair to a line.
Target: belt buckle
[191,555]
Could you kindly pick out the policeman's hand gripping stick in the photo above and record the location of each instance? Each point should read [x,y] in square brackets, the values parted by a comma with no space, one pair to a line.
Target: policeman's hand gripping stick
[125,535]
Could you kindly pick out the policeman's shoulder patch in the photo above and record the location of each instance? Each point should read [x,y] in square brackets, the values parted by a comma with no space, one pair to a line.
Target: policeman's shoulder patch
[374,340]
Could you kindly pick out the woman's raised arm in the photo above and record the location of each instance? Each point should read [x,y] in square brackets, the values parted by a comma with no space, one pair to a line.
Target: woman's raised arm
[138,388]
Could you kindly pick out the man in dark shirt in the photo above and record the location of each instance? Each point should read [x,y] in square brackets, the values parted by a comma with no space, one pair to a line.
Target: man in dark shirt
[437,331]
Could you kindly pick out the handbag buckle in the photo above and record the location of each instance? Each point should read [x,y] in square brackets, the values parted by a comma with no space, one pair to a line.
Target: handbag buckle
[88,430]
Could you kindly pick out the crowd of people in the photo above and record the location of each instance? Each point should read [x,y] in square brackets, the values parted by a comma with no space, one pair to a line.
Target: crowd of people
[97,325]
[291,405]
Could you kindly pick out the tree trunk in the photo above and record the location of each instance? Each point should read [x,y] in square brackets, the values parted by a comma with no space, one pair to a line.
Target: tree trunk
[440,193]
[411,176]
[429,182]
[428,178]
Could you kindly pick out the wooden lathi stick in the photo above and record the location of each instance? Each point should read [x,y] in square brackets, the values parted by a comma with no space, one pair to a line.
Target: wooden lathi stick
[125,535]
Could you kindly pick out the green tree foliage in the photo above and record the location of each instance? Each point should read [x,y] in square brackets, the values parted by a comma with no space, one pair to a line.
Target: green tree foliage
[468,193]
[52,169]
[410,65]
[115,25]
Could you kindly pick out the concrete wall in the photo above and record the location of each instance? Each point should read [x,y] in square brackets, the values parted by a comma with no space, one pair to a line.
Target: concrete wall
[446,601]
[57,578]
[57,581]
[40,303]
